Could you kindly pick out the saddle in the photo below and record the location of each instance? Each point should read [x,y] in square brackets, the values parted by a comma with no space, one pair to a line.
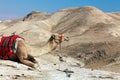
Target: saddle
[7,45]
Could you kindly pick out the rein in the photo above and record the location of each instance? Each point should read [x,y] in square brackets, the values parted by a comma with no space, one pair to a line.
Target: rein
[60,46]
[60,53]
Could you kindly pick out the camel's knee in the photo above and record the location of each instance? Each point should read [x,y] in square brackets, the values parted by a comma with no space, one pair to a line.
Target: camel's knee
[28,63]
[32,59]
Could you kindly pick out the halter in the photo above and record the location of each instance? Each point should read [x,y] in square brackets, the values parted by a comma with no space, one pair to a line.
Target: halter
[61,38]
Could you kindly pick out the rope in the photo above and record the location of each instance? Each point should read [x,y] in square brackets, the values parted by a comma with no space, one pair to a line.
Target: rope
[75,35]
[59,54]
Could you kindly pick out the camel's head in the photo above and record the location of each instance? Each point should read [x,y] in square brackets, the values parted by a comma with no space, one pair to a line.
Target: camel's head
[58,38]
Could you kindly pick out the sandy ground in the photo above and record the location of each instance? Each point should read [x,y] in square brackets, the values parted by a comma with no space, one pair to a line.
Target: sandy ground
[53,69]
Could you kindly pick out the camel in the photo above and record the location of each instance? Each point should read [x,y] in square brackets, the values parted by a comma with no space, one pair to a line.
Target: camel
[22,55]
[51,45]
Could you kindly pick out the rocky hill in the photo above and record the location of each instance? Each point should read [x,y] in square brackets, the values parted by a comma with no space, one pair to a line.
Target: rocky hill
[94,35]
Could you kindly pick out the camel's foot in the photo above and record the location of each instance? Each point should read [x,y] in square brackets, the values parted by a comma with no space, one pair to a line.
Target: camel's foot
[36,66]
[38,69]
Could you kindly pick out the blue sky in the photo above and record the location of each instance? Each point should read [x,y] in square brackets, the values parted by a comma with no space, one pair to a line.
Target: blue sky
[11,9]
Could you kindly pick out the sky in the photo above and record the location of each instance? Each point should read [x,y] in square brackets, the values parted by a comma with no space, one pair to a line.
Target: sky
[12,9]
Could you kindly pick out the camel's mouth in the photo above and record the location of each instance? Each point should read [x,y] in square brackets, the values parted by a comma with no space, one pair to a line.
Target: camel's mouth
[63,38]
[66,39]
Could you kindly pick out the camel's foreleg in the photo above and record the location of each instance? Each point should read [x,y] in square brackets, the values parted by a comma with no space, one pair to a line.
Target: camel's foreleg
[28,63]
[23,58]
[23,55]
[32,59]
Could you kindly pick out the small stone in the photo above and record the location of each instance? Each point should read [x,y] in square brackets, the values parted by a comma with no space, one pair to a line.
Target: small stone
[92,69]
[54,64]
[29,69]
[22,74]
[69,75]
[17,75]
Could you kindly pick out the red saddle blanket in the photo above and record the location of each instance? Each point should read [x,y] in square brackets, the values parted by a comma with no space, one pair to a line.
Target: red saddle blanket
[6,45]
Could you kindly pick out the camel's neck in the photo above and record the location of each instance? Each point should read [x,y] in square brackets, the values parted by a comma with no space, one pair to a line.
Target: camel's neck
[48,47]
[44,49]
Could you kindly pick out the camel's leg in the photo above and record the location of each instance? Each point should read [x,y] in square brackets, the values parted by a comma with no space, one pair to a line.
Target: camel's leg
[14,58]
[28,63]
[23,59]
[32,59]
[22,55]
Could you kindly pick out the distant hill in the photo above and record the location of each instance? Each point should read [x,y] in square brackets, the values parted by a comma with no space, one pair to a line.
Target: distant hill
[35,15]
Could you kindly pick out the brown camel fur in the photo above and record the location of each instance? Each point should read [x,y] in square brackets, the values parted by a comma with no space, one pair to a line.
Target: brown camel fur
[24,57]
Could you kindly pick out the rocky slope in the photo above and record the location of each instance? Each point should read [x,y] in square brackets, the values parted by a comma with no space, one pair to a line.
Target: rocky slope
[53,70]
[94,35]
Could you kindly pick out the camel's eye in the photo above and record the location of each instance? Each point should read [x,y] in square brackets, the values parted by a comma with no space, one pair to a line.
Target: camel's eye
[53,36]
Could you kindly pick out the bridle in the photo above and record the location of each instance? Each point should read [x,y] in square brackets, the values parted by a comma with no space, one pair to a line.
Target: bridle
[61,36]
